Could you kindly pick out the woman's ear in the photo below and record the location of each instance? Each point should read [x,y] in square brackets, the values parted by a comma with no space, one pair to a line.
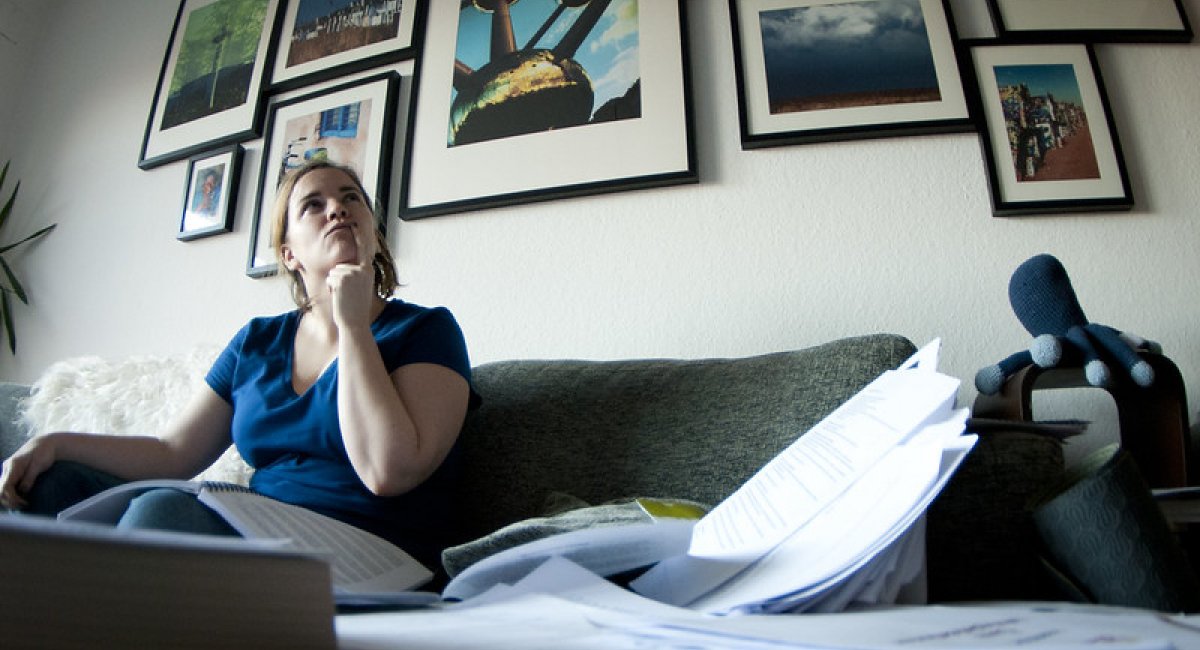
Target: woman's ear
[289,258]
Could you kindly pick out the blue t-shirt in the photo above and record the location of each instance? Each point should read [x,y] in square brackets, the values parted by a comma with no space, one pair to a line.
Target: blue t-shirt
[294,442]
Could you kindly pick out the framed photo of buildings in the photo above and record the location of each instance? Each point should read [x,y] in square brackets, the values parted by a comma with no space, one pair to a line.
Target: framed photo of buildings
[543,99]
[826,70]
[351,124]
[326,39]
[210,196]
[210,86]
[1048,136]
[1092,21]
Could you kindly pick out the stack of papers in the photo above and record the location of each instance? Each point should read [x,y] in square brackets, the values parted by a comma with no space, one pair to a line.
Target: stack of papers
[837,517]
[562,606]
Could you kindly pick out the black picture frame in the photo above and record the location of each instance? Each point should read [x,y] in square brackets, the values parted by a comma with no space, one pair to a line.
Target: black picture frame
[1049,141]
[824,84]
[210,193]
[302,60]
[640,137]
[332,122]
[194,111]
[1091,21]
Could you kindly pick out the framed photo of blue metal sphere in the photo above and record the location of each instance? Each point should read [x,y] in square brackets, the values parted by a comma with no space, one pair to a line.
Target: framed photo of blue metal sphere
[515,102]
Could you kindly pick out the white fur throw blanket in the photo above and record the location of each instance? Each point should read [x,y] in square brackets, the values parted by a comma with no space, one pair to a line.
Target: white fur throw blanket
[136,395]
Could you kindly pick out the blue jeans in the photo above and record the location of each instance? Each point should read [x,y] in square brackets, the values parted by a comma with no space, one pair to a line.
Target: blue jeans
[66,483]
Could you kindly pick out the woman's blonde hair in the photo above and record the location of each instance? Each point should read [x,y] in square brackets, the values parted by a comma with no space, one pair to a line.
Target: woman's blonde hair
[383,264]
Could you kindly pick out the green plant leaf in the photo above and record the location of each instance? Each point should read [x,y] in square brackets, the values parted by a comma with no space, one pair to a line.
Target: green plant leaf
[35,235]
[8,324]
[7,209]
[4,172]
[13,284]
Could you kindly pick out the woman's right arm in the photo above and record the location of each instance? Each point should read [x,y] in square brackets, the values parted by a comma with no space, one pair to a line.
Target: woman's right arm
[192,442]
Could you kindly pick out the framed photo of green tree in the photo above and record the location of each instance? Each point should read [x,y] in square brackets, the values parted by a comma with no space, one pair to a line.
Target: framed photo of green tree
[210,86]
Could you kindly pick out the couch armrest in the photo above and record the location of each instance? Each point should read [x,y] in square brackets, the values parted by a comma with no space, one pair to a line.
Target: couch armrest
[13,431]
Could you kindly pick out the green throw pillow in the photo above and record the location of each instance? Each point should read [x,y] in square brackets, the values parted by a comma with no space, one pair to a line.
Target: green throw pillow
[565,514]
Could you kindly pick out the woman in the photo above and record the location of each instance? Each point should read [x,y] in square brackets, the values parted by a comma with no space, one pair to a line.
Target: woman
[350,405]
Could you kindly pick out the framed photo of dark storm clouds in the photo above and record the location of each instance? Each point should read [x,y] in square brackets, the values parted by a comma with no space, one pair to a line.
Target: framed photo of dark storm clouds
[827,70]
[541,99]
[210,86]
[1048,135]
[326,39]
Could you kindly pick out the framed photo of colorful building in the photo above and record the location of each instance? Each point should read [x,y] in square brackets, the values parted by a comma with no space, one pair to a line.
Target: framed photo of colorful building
[353,124]
[325,39]
[1049,140]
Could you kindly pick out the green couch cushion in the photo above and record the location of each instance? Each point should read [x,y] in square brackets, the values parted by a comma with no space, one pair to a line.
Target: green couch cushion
[691,429]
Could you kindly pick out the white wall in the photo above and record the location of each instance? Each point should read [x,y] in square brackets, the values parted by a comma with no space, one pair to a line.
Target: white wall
[774,249]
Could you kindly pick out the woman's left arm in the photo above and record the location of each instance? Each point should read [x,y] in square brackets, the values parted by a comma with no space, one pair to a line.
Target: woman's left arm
[398,427]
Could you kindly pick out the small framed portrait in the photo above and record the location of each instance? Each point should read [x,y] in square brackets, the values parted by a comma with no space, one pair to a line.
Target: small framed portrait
[829,70]
[326,39]
[1091,21]
[352,124]
[210,196]
[542,100]
[1049,141]
[210,86]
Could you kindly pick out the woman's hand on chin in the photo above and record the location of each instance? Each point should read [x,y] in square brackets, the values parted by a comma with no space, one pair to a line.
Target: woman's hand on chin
[352,288]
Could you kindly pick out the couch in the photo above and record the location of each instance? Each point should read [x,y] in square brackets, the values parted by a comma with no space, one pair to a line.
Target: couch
[598,431]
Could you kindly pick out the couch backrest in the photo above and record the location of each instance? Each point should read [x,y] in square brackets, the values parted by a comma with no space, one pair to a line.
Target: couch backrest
[603,430]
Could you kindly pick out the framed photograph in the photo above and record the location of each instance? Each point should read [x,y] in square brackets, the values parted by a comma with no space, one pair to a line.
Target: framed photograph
[1091,21]
[210,87]
[1047,131]
[544,99]
[326,39]
[210,195]
[828,70]
[351,124]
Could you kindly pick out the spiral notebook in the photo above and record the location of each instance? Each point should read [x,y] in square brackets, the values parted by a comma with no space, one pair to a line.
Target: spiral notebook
[362,563]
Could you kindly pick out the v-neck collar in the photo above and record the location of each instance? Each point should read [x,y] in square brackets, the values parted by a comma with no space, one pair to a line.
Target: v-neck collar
[294,330]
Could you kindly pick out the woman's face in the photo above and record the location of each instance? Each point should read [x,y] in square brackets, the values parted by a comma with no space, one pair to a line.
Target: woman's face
[329,223]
